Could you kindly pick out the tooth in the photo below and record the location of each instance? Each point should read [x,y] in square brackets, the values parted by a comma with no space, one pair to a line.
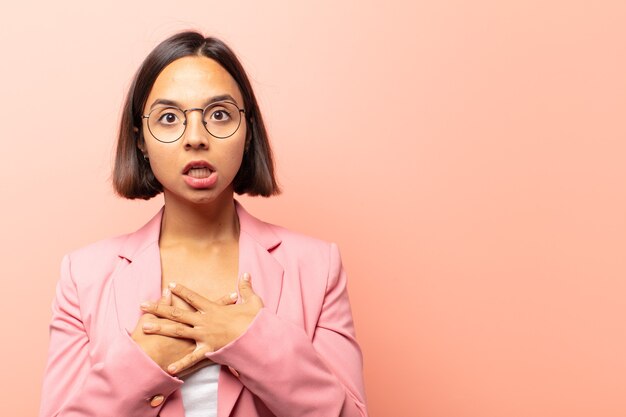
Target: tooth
[199,172]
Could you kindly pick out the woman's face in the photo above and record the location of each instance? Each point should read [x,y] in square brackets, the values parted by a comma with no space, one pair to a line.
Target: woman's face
[192,82]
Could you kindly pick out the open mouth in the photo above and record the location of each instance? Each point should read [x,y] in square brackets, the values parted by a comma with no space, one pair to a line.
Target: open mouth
[198,169]
[199,172]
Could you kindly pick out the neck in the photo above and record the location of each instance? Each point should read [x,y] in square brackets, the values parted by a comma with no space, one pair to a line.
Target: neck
[195,224]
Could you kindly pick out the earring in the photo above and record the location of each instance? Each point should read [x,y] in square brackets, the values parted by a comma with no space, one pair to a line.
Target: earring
[145,157]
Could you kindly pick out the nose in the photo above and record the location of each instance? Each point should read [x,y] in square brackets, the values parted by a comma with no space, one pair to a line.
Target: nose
[196,136]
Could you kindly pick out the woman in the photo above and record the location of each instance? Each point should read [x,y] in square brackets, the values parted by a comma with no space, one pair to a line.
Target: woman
[205,310]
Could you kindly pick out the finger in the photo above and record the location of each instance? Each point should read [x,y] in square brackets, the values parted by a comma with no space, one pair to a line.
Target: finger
[170,312]
[166,297]
[148,316]
[245,287]
[204,362]
[227,299]
[170,328]
[192,298]
[188,361]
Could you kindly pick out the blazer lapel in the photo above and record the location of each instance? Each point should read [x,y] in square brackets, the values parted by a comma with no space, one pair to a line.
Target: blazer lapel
[256,241]
[139,279]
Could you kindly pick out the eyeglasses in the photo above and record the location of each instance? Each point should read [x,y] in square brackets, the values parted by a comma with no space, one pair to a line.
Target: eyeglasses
[167,124]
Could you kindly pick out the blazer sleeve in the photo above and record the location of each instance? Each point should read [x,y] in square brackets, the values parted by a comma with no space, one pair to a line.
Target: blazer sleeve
[294,374]
[74,385]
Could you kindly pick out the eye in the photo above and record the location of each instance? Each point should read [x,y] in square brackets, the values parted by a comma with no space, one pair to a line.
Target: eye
[220,115]
[168,118]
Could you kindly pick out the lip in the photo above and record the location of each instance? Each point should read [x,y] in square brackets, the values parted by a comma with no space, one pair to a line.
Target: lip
[197,164]
[202,183]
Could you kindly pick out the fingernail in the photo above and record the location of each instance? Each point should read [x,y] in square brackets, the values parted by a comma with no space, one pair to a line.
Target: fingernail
[233,296]
[171,368]
[172,285]
[148,326]
[145,305]
[246,276]
[166,292]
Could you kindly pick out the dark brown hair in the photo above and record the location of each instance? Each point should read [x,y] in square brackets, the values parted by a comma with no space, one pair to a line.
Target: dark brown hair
[132,176]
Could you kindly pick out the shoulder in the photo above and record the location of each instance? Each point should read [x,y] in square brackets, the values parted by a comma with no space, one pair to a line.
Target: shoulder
[102,256]
[295,239]
[304,248]
[276,237]
[99,248]
[285,242]
[95,259]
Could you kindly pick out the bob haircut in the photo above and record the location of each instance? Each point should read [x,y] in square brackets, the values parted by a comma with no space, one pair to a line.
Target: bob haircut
[132,176]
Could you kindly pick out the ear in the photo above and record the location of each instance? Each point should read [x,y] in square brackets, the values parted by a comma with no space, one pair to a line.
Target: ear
[140,143]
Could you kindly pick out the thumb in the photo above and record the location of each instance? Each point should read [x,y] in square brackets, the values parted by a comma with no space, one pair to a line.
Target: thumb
[245,287]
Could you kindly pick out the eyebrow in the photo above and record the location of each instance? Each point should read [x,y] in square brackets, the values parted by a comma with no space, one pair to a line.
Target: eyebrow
[168,102]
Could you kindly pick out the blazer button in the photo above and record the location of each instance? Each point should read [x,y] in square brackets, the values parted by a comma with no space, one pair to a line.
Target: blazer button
[233,371]
[157,400]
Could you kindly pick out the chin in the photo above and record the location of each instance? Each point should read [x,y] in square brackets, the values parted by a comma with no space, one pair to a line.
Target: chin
[208,195]
[204,200]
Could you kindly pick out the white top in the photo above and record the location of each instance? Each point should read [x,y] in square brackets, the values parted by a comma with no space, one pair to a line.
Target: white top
[200,392]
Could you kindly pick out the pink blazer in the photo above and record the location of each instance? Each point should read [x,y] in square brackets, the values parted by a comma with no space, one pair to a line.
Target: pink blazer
[299,357]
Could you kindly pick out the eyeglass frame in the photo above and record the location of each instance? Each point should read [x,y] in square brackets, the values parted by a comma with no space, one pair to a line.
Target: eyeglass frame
[147,116]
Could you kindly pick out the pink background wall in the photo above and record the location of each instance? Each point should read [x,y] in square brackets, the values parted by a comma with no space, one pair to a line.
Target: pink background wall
[467,157]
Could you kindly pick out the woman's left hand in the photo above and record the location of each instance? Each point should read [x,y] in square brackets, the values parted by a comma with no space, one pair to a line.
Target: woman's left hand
[212,326]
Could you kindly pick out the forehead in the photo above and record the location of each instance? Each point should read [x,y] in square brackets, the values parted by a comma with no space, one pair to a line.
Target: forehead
[192,80]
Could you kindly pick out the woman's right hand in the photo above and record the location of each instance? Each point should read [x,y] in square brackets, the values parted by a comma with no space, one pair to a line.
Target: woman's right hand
[165,350]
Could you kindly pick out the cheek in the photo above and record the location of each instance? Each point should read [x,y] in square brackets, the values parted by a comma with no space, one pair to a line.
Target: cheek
[231,162]
[162,163]
[235,152]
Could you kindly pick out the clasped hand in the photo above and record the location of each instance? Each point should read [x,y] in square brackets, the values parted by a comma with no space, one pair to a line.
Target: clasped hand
[212,326]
